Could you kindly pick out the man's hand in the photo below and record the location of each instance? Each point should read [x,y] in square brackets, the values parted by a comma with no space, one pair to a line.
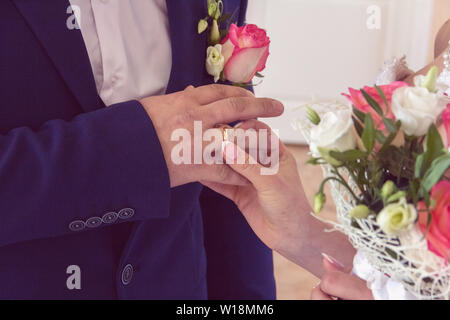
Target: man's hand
[213,105]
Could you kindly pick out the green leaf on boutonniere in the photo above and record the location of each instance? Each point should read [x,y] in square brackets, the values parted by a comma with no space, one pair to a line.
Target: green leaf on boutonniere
[259,75]
[368,135]
[223,33]
[375,106]
[224,18]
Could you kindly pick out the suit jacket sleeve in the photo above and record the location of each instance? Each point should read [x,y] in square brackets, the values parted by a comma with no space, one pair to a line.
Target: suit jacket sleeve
[100,162]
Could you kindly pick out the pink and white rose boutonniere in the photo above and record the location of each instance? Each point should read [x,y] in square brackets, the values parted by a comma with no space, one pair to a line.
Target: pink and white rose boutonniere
[236,54]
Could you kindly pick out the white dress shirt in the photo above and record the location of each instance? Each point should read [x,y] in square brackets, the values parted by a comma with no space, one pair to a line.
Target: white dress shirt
[128,44]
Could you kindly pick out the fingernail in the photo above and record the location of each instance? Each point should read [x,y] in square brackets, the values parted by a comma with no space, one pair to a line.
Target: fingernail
[278,106]
[333,261]
[229,151]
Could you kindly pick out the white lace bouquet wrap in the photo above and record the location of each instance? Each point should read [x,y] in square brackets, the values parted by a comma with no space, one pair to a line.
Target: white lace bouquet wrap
[406,257]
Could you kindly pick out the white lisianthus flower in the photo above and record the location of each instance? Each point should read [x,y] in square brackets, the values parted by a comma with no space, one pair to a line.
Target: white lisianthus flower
[334,132]
[397,217]
[417,108]
[215,61]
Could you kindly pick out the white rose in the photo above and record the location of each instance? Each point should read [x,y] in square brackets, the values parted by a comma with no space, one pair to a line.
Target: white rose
[215,61]
[397,217]
[417,109]
[334,132]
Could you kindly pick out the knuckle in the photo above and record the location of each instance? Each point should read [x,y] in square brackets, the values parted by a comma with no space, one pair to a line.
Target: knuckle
[236,104]
[223,173]
[267,105]
[246,166]
[186,117]
[219,90]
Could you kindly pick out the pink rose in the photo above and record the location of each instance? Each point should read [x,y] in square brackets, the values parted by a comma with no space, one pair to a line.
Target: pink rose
[246,50]
[438,235]
[360,103]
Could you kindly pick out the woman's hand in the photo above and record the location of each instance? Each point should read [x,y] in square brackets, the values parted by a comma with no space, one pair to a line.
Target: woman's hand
[274,205]
[337,284]
[277,210]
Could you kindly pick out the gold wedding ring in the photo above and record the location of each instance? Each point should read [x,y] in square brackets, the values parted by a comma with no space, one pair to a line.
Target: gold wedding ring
[224,128]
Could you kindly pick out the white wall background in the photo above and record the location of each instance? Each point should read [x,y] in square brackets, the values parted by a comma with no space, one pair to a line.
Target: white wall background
[321,47]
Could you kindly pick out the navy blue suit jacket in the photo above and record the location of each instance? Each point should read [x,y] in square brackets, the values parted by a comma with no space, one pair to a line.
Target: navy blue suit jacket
[86,185]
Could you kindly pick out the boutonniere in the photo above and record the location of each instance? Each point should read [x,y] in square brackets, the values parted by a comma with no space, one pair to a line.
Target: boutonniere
[235,54]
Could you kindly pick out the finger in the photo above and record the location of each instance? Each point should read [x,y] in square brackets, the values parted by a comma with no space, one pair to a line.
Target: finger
[317,294]
[228,191]
[345,286]
[205,95]
[221,173]
[242,163]
[331,264]
[258,125]
[237,109]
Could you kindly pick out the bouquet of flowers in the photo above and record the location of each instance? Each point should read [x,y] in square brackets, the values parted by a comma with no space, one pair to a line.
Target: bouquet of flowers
[388,164]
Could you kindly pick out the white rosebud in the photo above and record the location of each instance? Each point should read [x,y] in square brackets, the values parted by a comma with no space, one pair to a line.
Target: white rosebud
[397,217]
[334,132]
[215,61]
[202,26]
[417,109]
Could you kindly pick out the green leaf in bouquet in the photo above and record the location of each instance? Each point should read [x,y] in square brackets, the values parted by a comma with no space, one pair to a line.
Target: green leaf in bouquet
[419,165]
[435,172]
[348,156]
[434,147]
[368,135]
[259,75]
[391,137]
[390,125]
[358,126]
[371,101]
[380,137]
[382,95]
[314,161]
[413,192]
[359,114]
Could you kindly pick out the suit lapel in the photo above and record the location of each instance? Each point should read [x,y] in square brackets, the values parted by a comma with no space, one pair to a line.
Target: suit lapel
[188,48]
[66,48]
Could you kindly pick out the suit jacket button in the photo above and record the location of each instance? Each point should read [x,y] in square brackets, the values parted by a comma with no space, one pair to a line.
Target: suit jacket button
[127,274]
[93,222]
[110,217]
[77,225]
[126,213]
